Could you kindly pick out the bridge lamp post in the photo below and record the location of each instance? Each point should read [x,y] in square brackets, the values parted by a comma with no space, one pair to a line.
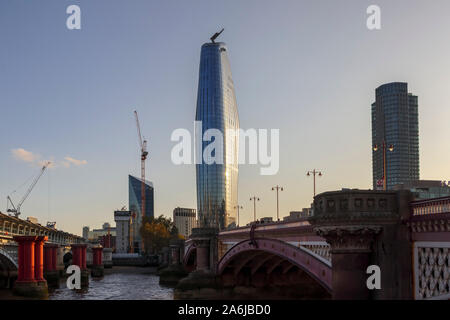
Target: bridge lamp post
[390,149]
[254,198]
[314,172]
[238,207]
[278,188]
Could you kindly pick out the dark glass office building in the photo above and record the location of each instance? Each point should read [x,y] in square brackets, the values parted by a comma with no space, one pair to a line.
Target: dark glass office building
[135,206]
[217,109]
[134,197]
[395,123]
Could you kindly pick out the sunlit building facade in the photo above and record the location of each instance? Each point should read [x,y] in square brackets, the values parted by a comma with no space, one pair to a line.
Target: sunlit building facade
[217,183]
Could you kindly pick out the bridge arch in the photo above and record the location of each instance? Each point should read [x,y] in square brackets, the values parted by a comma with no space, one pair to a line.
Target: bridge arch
[269,255]
[7,262]
[189,259]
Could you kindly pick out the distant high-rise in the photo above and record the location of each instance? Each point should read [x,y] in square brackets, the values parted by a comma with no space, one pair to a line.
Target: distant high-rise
[184,219]
[123,231]
[395,125]
[135,205]
[217,109]
[85,232]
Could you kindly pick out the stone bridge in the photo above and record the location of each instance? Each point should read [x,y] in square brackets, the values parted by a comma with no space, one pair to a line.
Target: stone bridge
[327,255]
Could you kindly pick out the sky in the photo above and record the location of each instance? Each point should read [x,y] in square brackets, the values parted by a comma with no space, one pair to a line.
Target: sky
[307,68]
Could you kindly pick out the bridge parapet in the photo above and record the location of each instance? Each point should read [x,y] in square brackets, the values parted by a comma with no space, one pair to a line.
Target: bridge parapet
[430,231]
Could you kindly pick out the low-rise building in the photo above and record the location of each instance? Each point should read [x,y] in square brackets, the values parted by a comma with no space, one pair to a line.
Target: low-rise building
[295,215]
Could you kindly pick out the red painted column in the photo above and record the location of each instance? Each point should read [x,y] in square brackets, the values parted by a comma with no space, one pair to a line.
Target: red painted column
[79,255]
[26,258]
[50,257]
[39,258]
[97,256]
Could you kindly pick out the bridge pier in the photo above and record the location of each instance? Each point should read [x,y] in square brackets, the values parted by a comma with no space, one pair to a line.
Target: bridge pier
[350,256]
[202,282]
[97,269]
[51,274]
[30,281]
[175,271]
[365,227]
[79,259]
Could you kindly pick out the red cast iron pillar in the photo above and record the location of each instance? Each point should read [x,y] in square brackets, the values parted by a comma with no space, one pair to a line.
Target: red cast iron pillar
[26,258]
[30,281]
[39,258]
[97,256]
[97,269]
[79,255]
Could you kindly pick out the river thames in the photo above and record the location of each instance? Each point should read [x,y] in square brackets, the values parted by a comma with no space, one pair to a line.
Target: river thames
[118,283]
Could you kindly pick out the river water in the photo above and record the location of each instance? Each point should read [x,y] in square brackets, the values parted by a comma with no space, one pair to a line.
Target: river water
[118,283]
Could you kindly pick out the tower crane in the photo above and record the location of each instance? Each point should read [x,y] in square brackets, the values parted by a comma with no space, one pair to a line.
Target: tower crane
[144,153]
[16,209]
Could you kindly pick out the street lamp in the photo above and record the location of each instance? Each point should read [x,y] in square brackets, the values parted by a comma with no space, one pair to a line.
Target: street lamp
[391,149]
[277,187]
[314,173]
[254,198]
[238,207]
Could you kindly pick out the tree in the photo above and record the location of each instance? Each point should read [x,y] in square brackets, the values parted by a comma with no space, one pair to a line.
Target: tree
[157,233]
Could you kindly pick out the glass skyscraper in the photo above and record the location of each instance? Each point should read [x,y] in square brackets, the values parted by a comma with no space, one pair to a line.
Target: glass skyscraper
[395,122]
[135,205]
[217,183]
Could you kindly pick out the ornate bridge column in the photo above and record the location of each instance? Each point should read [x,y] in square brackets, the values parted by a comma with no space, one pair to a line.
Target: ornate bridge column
[30,281]
[350,256]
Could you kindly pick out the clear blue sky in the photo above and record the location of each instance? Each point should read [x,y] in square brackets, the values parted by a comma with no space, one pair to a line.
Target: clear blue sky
[308,68]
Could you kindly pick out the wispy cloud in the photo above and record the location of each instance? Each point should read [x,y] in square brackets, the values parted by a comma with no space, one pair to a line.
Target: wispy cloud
[75,162]
[24,155]
[34,158]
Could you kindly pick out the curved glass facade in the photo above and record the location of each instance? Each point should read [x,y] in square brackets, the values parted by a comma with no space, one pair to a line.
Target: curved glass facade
[217,109]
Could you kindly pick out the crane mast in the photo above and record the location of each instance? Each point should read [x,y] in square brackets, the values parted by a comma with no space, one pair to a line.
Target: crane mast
[16,209]
[144,153]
